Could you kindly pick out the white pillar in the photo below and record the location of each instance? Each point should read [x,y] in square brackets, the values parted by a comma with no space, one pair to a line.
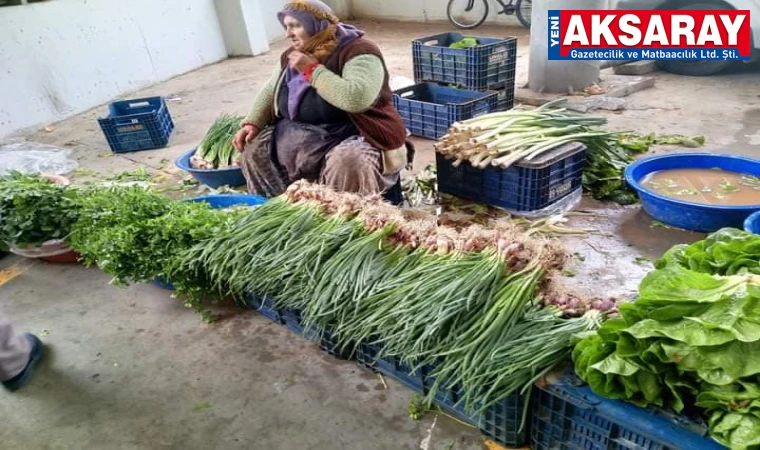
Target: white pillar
[559,77]
[243,27]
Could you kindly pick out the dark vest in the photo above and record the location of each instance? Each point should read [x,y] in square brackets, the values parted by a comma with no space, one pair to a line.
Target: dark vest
[313,109]
[381,125]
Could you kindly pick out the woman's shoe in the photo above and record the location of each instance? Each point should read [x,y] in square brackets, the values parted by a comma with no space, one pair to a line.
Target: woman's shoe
[22,379]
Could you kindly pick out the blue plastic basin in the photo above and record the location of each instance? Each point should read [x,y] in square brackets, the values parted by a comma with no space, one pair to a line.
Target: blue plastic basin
[689,215]
[752,223]
[217,202]
[231,176]
[227,200]
[163,284]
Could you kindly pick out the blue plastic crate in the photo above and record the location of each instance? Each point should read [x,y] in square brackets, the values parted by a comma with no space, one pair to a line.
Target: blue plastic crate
[291,318]
[368,355]
[490,65]
[524,186]
[429,110]
[501,421]
[139,124]
[505,99]
[265,306]
[330,344]
[325,338]
[450,400]
[569,416]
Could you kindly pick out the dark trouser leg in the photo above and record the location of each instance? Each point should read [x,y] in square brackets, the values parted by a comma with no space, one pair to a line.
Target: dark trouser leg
[14,351]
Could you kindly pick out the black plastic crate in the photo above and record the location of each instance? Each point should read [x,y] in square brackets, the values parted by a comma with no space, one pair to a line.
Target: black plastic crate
[265,306]
[490,65]
[139,124]
[429,110]
[567,415]
[524,186]
[367,355]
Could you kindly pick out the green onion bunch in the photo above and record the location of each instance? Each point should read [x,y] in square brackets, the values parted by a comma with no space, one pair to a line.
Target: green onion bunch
[461,302]
[215,150]
[504,138]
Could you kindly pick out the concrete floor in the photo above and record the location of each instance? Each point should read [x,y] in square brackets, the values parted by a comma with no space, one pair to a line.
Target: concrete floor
[132,369]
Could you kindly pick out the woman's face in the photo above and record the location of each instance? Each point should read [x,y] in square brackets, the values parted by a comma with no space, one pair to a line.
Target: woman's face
[295,32]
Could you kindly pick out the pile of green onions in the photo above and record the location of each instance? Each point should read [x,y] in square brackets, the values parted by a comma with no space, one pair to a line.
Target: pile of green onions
[216,150]
[462,302]
[504,138]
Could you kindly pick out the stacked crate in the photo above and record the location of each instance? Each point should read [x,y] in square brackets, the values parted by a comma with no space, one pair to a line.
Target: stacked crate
[489,66]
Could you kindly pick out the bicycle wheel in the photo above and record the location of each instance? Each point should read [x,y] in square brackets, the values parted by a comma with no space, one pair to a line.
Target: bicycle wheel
[523,10]
[467,14]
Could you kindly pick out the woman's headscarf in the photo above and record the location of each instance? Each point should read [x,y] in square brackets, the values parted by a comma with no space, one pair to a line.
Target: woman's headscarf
[328,34]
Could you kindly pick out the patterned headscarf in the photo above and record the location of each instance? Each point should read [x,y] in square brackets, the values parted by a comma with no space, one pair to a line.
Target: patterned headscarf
[327,34]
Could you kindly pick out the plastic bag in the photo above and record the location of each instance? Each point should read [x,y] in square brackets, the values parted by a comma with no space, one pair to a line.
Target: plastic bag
[397,82]
[53,247]
[566,204]
[31,158]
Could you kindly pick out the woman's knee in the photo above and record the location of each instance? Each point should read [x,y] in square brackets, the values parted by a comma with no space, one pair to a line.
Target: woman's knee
[353,166]
[352,156]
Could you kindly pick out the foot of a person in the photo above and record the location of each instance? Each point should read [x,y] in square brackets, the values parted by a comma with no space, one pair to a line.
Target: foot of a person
[22,379]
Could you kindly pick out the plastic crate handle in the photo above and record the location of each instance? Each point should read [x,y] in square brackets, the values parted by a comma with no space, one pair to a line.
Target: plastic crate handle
[138,104]
[126,121]
[405,92]
[581,401]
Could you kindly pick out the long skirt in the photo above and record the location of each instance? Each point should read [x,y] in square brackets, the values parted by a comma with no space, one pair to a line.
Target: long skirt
[351,166]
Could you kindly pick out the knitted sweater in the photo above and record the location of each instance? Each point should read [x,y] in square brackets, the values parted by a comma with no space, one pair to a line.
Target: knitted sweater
[355,91]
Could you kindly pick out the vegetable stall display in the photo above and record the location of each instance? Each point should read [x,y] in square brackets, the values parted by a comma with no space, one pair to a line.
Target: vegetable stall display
[478,308]
[215,150]
[691,341]
[463,302]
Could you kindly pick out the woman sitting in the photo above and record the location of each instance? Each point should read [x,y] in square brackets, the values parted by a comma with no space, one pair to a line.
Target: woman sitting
[326,115]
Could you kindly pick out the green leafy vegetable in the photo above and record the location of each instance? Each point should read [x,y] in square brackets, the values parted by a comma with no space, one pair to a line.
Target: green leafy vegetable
[690,340]
[136,235]
[466,42]
[34,210]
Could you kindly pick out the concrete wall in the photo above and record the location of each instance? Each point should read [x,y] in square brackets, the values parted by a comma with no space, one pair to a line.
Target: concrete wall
[343,8]
[62,57]
[269,9]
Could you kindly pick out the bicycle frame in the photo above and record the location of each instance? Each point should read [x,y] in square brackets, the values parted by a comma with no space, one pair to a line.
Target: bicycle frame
[506,8]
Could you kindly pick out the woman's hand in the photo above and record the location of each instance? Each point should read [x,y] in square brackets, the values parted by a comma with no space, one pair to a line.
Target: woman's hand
[244,136]
[300,61]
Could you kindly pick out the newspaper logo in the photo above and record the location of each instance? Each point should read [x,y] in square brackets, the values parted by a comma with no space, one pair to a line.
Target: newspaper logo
[634,35]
